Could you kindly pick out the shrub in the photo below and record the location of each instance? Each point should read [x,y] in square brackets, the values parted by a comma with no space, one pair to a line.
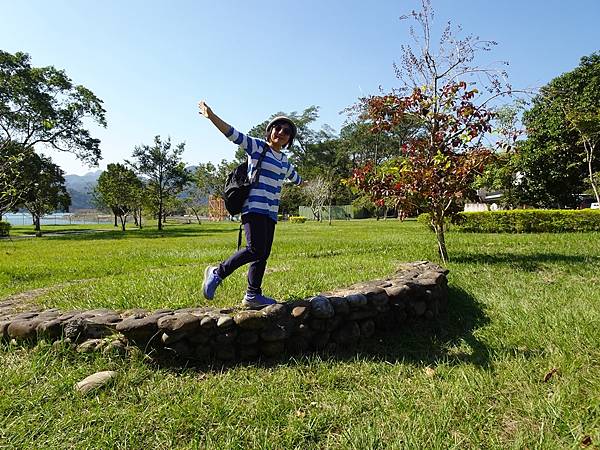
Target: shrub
[528,221]
[297,219]
[4,228]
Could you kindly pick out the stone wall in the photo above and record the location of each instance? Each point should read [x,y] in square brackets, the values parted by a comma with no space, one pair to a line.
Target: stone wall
[332,320]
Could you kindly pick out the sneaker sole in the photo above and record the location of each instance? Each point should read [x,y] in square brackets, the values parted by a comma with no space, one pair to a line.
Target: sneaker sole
[255,305]
[204,283]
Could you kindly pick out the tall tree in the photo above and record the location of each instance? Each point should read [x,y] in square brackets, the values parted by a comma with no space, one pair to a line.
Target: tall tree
[161,165]
[118,188]
[563,128]
[440,161]
[48,192]
[42,106]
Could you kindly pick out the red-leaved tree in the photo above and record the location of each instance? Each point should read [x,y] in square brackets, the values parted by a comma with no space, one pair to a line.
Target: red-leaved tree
[450,118]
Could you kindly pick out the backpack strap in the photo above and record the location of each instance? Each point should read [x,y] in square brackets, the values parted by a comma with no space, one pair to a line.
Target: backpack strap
[254,181]
[240,237]
[258,164]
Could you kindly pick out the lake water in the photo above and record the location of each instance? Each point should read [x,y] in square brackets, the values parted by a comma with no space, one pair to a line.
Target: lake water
[57,219]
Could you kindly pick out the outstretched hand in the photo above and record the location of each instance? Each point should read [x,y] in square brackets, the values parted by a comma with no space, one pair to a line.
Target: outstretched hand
[204,109]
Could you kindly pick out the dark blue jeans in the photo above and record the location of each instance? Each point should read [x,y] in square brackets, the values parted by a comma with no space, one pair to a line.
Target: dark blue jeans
[259,230]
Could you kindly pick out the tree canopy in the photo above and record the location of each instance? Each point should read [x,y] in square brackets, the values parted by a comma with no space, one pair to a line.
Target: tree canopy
[563,128]
[161,165]
[42,106]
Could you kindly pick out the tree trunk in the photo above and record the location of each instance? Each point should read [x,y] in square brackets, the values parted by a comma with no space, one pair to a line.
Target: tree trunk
[590,155]
[441,239]
[160,215]
[329,211]
[38,228]
[123,221]
[140,218]
[115,219]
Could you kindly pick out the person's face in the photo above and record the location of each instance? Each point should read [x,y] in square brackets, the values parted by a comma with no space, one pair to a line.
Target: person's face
[281,133]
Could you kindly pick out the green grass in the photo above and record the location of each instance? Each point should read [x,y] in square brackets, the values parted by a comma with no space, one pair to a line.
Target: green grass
[520,305]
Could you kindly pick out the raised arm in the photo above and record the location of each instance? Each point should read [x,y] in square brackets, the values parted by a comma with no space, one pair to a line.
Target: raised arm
[207,112]
[250,145]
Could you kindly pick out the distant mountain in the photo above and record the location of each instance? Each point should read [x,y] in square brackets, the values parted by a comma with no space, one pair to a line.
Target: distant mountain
[79,188]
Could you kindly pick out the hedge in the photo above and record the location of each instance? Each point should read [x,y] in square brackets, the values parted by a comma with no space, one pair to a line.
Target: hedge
[297,219]
[528,221]
[4,228]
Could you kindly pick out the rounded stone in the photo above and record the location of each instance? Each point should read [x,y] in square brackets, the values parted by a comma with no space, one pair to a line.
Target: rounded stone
[138,330]
[378,300]
[398,294]
[356,301]
[179,323]
[321,307]
[300,312]
[95,381]
[225,321]
[250,320]
[51,329]
[340,305]
[208,323]
[23,329]
[275,312]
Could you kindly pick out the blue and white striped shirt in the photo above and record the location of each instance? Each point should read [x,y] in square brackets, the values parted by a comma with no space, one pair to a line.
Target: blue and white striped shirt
[275,167]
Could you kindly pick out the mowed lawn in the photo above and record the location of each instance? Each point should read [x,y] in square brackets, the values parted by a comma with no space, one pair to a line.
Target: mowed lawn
[516,363]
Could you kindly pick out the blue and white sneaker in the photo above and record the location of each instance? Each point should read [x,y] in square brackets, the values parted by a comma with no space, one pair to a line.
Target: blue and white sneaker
[211,282]
[257,301]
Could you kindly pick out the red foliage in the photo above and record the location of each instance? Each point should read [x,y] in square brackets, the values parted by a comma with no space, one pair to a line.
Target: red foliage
[440,161]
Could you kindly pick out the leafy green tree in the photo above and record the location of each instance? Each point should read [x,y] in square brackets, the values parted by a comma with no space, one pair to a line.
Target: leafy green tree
[164,171]
[42,106]
[305,137]
[503,171]
[203,182]
[118,188]
[13,180]
[563,128]
[48,192]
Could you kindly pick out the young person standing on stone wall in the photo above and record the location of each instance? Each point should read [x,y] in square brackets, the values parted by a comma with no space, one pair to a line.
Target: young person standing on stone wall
[259,213]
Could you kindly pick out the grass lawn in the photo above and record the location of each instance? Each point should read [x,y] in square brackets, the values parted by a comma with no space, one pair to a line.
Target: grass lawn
[520,306]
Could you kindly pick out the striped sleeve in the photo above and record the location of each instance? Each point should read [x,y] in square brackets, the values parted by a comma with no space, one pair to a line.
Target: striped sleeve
[292,174]
[249,144]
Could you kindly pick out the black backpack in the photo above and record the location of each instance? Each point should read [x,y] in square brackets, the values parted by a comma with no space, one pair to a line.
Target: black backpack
[238,185]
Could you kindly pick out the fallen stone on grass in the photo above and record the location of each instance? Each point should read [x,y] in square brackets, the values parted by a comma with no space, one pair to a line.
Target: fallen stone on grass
[95,381]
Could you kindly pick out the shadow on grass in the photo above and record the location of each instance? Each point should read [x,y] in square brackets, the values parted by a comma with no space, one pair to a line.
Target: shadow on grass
[525,262]
[450,339]
[144,233]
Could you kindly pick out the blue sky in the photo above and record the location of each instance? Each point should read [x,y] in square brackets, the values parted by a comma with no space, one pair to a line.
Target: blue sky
[150,61]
